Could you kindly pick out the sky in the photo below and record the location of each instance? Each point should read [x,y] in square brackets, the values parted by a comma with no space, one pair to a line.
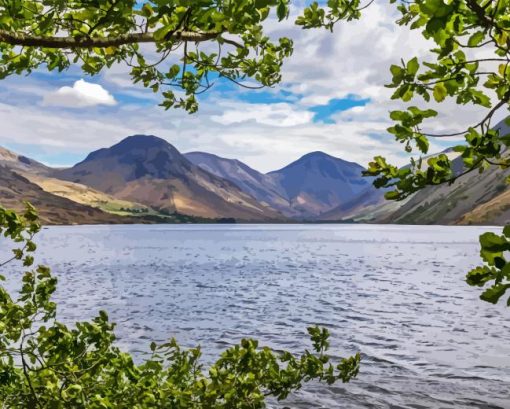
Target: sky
[332,99]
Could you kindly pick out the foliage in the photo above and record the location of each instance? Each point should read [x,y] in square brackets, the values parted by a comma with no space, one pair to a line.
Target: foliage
[457,28]
[471,65]
[195,43]
[46,364]
[497,268]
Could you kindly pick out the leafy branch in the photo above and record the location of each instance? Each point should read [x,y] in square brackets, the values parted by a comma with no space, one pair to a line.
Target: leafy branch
[44,363]
[483,82]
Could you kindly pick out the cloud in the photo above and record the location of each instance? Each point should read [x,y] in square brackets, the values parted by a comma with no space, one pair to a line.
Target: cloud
[81,94]
[278,115]
[266,132]
[265,147]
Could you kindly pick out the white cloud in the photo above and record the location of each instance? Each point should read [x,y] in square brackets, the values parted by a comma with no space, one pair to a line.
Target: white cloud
[354,60]
[278,115]
[263,146]
[81,94]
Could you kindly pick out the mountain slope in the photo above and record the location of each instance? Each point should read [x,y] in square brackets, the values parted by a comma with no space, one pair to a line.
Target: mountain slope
[39,174]
[19,163]
[474,198]
[318,183]
[88,196]
[262,187]
[148,170]
[371,207]
[449,204]
[15,189]
[495,212]
[361,206]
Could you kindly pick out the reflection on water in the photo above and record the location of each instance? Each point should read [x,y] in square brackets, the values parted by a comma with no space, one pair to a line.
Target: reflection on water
[395,293]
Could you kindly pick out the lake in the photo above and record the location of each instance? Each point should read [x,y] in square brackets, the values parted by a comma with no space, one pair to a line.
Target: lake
[395,293]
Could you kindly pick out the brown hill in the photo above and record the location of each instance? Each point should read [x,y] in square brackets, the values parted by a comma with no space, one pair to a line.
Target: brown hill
[15,189]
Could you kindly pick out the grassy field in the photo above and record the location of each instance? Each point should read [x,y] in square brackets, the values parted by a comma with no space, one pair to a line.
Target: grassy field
[85,195]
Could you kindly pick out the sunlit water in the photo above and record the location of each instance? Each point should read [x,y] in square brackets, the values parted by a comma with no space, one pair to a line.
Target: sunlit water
[395,293]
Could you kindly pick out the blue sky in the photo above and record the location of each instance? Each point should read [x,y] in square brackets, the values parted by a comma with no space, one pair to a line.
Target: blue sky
[324,113]
[332,99]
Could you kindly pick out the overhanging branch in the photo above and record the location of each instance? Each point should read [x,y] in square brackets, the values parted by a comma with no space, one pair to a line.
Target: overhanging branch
[99,42]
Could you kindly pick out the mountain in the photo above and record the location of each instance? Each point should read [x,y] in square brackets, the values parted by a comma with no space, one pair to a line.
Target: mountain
[15,189]
[146,179]
[262,187]
[21,164]
[474,198]
[318,183]
[148,170]
[40,175]
[305,189]
[365,204]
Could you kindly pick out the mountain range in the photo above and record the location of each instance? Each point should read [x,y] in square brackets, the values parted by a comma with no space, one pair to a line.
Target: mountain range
[150,171]
[145,179]
[303,190]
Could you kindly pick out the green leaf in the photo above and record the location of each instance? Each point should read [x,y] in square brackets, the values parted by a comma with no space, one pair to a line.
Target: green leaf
[413,66]
[398,115]
[392,195]
[422,143]
[476,38]
[439,92]
[479,276]
[282,10]
[494,293]
[494,243]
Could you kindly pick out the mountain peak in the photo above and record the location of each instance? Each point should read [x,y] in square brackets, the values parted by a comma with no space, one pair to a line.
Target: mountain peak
[132,144]
[148,170]
[320,161]
[316,154]
[142,141]
[319,155]
[318,182]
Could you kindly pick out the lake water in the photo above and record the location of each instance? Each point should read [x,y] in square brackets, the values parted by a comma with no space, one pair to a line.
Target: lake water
[395,293]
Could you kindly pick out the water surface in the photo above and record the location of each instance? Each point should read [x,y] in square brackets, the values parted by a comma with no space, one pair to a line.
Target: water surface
[395,293]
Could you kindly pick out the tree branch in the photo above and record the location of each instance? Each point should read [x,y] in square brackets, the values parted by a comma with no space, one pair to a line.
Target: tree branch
[232,42]
[99,42]
[487,117]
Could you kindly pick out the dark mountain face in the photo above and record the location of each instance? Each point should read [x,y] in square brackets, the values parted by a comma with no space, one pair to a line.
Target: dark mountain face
[139,156]
[305,189]
[149,170]
[317,183]
[262,187]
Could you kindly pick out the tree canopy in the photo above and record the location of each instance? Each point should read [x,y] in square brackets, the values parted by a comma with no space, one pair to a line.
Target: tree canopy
[194,42]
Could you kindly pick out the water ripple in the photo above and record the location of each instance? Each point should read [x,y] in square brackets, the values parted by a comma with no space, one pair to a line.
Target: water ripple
[395,293]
